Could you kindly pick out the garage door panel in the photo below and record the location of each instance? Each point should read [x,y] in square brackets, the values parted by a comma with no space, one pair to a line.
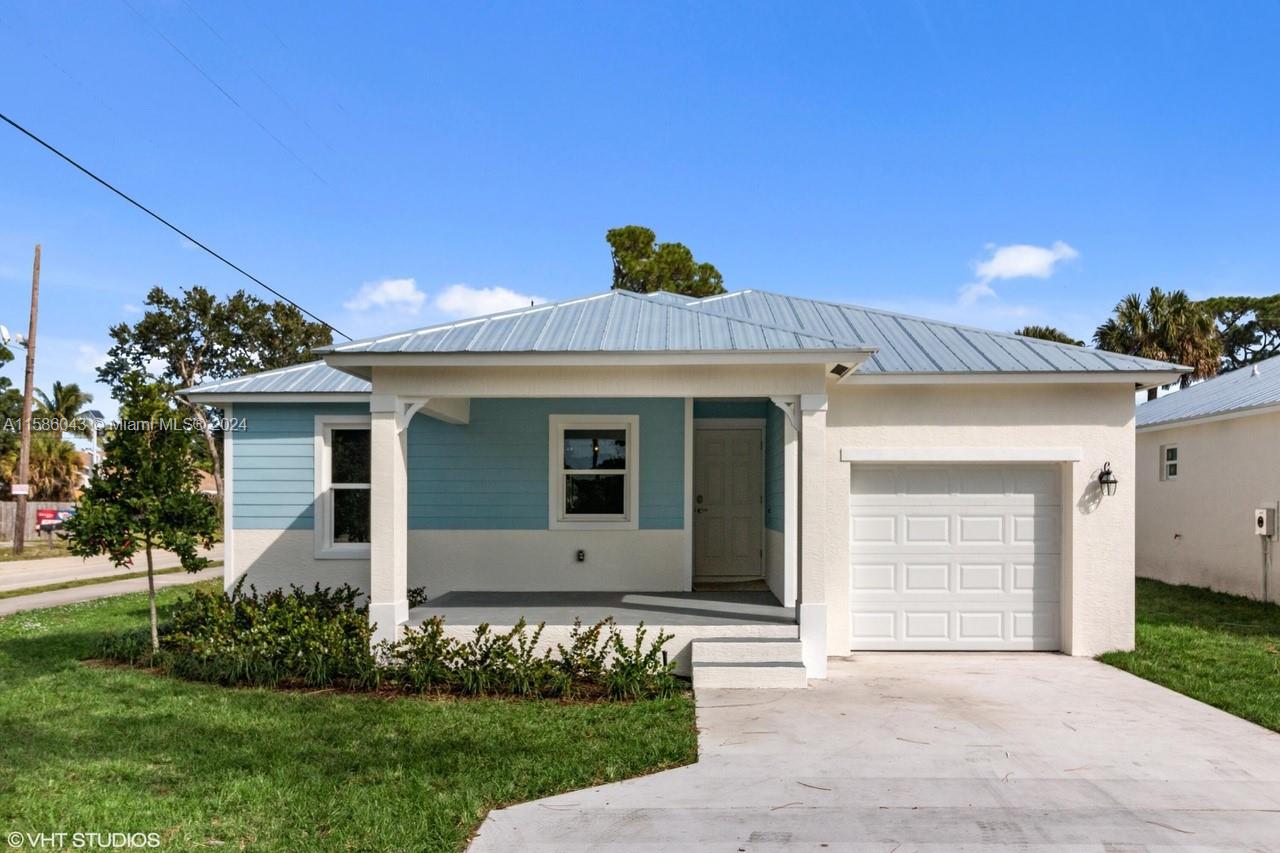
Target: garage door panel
[955,557]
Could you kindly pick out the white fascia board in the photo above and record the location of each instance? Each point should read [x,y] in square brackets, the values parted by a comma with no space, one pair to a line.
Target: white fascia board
[348,361]
[214,398]
[1140,379]
[1270,409]
[961,454]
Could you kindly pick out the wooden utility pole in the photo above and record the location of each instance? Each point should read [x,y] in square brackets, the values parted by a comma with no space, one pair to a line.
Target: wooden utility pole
[24,453]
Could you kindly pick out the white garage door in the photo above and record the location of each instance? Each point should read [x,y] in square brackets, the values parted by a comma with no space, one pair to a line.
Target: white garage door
[955,556]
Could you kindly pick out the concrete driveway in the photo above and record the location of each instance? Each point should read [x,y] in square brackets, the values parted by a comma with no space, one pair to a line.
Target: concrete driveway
[912,751]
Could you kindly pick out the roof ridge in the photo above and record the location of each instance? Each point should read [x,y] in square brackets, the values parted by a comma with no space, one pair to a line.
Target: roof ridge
[885,312]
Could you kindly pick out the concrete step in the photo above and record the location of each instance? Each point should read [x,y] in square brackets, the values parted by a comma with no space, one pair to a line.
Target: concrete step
[754,650]
[749,675]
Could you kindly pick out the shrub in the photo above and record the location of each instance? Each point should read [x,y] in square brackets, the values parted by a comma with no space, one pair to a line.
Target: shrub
[321,638]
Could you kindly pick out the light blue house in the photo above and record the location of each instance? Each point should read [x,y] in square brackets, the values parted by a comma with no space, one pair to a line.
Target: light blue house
[744,468]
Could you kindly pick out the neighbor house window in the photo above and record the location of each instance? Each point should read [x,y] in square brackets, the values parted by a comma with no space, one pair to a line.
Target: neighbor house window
[1169,462]
[342,512]
[594,473]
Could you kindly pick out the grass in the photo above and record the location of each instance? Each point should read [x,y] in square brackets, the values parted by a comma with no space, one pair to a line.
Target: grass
[85,747]
[1221,649]
[35,549]
[51,587]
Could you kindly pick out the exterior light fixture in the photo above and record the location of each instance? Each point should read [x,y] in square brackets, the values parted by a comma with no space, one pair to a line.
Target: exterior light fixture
[1107,480]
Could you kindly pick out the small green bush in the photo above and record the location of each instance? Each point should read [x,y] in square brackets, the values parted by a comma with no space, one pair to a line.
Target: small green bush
[321,638]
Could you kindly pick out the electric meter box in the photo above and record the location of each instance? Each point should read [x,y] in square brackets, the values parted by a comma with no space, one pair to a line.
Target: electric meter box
[1264,521]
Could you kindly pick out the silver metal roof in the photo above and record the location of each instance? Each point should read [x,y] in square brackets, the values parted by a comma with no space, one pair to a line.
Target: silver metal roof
[315,377]
[614,321]
[1237,391]
[908,344]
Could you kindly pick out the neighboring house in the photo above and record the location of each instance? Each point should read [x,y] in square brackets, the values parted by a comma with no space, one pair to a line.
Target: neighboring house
[759,466]
[1208,457]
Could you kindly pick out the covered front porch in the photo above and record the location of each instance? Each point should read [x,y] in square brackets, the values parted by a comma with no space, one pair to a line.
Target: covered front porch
[688,616]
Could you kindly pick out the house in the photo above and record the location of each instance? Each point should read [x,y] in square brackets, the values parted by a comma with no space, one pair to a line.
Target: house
[1208,457]
[787,477]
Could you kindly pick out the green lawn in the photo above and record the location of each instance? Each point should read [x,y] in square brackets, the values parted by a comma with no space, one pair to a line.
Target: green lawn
[1221,649]
[91,748]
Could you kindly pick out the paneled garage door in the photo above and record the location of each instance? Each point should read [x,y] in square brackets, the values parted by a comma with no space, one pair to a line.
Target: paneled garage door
[955,556]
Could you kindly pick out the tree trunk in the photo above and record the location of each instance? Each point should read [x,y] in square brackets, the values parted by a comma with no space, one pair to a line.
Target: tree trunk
[151,600]
[215,458]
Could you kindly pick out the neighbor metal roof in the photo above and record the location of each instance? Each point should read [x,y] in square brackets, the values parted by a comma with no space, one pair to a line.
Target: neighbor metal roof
[908,344]
[614,321]
[315,377]
[1237,391]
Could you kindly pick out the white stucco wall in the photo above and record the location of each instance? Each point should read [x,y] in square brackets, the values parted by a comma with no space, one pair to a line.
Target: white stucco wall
[478,560]
[1098,533]
[1198,529]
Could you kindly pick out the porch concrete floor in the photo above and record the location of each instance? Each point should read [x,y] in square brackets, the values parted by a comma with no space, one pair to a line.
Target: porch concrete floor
[666,609]
[937,752]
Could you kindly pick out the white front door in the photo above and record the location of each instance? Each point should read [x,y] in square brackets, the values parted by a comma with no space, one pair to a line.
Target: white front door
[728,504]
[955,557]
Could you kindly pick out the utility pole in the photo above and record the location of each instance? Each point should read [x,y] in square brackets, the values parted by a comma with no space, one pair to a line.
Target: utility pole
[24,454]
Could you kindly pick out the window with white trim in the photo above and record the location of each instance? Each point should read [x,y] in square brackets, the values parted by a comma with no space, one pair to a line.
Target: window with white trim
[342,512]
[594,471]
[1169,462]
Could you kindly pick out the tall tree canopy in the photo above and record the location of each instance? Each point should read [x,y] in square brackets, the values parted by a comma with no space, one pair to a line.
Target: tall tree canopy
[196,337]
[643,265]
[64,406]
[1166,327]
[1249,327]
[10,413]
[1048,333]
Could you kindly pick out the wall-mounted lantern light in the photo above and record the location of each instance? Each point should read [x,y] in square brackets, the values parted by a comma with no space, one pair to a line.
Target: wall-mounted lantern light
[1107,480]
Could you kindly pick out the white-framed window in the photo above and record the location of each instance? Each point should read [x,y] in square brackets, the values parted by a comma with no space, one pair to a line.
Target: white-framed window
[342,474]
[1169,462]
[594,472]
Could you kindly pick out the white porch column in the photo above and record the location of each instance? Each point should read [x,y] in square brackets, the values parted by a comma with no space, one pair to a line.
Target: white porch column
[389,520]
[790,408]
[812,608]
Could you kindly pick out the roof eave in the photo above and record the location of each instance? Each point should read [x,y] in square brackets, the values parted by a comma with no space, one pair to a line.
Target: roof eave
[1138,378]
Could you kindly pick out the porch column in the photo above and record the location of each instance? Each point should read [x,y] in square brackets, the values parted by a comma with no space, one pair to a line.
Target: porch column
[389,520]
[790,408]
[812,607]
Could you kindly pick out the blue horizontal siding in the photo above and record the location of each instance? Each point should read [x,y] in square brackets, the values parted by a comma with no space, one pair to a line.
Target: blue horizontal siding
[492,473]
[273,466]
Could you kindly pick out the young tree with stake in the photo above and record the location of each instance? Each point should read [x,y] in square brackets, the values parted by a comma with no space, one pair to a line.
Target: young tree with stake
[145,495]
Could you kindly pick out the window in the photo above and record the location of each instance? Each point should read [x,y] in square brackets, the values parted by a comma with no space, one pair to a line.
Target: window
[594,479]
[1169,462]
[342,511]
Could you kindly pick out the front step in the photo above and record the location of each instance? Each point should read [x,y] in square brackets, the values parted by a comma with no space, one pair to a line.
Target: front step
[754,663]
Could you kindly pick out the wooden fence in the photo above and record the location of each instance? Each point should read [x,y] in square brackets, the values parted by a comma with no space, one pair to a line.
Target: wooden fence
[8,511]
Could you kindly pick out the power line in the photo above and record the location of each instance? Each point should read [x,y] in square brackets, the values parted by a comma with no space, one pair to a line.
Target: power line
[157,217]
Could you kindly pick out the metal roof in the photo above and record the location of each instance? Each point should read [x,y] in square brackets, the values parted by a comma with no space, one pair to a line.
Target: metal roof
[908,344]
[1238,391]
[315,377]
[614,321]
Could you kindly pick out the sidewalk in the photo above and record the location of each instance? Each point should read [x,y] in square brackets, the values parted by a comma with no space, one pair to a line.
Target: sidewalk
[19,574]
[100,590]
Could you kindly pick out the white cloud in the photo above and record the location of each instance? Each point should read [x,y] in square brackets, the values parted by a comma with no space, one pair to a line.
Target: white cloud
[463,300]
[89,358]
[399,293]
[130,308]
[1019,260]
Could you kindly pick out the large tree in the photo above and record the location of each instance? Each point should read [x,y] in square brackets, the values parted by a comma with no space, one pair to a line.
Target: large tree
[146,493]
[64,406]
[1048,333]
[1166,327]
[10,419]
[643,265]
[53,468]
[196,337]
[1249,327]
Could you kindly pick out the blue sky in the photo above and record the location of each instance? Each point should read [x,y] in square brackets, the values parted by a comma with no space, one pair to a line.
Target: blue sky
[876,153]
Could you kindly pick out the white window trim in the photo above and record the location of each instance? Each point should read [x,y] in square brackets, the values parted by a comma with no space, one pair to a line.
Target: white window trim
[556,518]
[1165,462]
[323,515]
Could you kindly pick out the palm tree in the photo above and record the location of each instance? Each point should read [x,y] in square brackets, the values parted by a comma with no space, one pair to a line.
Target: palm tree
[1167,327]
[64,407]
[53,469]
[1048,333]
